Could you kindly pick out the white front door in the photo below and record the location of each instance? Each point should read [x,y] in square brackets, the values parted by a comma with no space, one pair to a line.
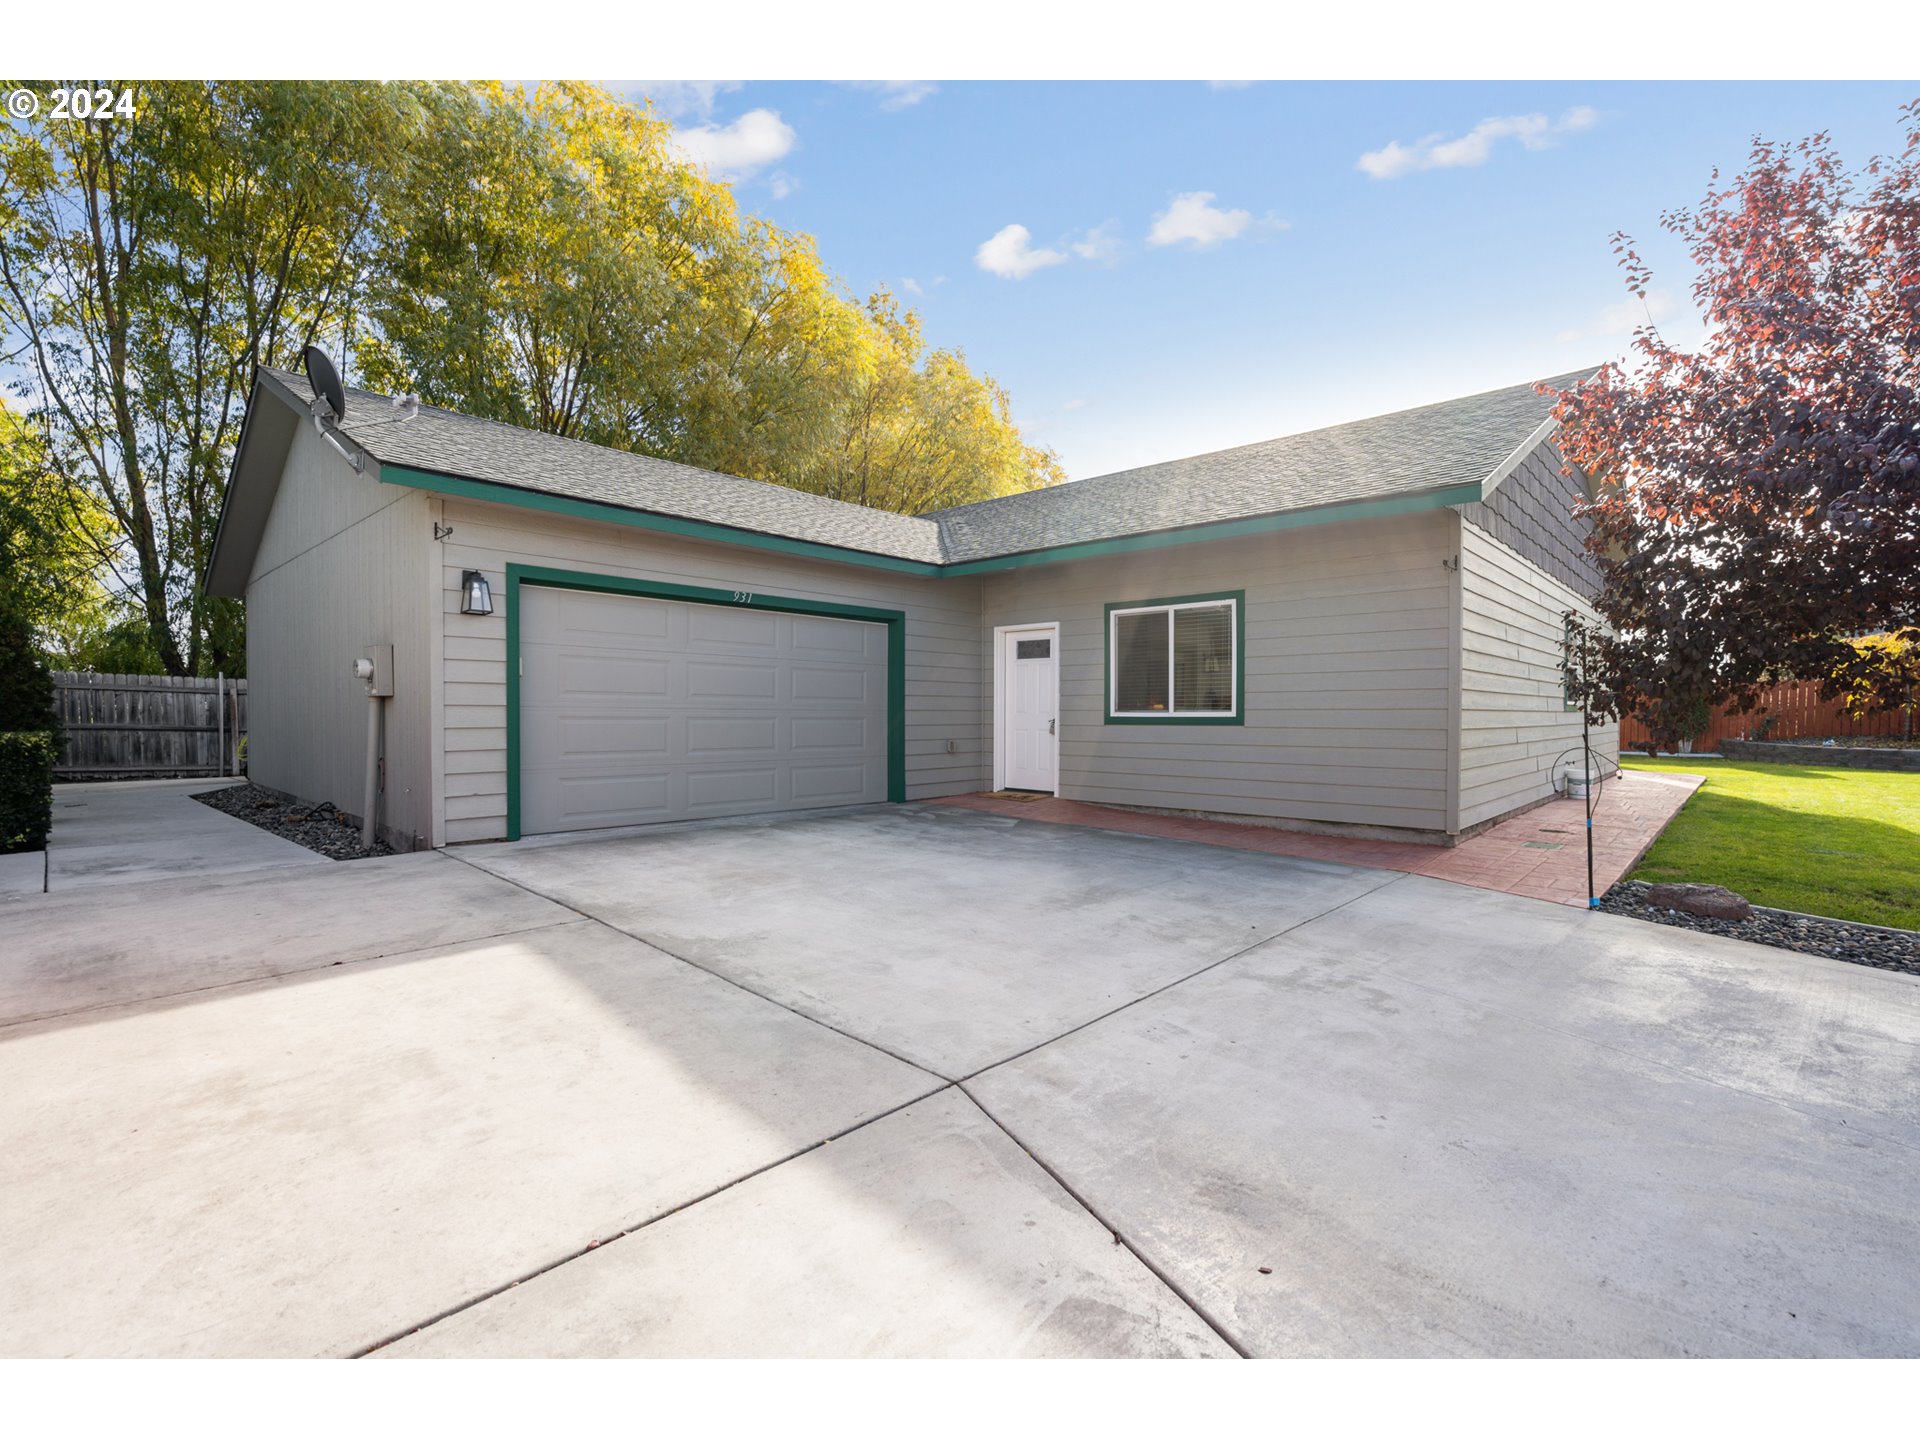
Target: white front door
[1030,710]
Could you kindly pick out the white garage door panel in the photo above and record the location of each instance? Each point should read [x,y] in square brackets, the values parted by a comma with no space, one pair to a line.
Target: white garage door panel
[585,735]
[707,680]
[712,623]
[717,735]
[634,711]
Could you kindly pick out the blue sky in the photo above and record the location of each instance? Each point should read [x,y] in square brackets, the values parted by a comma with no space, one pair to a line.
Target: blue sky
[1469,250]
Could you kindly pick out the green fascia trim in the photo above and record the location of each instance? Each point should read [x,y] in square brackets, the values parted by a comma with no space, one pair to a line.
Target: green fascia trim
[1239,597]
[1226,530]
[540,575]
[503,494]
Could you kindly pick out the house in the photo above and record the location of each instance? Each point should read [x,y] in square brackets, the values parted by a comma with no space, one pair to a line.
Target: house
[1356,629]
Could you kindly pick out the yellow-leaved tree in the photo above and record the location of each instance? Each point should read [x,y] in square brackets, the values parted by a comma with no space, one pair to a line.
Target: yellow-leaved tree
[548,260]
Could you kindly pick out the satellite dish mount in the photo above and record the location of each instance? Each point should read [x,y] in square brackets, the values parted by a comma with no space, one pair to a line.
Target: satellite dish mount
[329,406]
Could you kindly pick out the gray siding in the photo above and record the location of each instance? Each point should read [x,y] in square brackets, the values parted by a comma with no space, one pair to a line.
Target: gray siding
[1514,723]
[1531,513]
[1348,687]
[943,644]
[343,562]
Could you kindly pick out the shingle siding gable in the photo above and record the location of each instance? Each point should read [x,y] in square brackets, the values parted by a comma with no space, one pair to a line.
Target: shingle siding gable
[1531,513]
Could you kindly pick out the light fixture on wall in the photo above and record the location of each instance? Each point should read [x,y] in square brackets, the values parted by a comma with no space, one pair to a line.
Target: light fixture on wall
[475,597]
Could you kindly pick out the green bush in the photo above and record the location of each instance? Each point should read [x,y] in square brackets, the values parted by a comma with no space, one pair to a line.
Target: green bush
[26,688]
[26,790]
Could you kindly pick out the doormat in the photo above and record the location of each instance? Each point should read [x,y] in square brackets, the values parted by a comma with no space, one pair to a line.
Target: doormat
[1022,795]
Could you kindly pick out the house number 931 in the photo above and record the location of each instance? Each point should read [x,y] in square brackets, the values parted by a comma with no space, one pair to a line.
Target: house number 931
[743,597]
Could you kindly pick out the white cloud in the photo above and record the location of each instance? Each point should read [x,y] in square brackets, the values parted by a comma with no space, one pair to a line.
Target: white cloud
[1100,244]
[898,94]
[736,151]
[674,98]
[911,286]
[1438,152]
[1010,254]
[1193,219]
[782,184]
[1621,320]
[1230,84]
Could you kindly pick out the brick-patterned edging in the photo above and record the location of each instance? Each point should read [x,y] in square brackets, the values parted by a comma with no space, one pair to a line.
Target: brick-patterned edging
[1540,854]
[1840,757]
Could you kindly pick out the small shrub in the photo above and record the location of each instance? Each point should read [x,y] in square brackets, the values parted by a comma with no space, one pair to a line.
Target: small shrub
[26,790]
[26,689]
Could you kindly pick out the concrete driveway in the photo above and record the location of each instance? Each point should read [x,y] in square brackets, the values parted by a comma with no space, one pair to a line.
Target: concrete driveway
[923,1081]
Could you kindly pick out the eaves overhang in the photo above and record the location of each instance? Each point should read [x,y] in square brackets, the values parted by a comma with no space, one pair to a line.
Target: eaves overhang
[467,488]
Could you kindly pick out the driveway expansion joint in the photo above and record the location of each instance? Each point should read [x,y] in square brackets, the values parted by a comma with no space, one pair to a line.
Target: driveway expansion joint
[166,998]
[1119,1237]
[715,974]
[593,1246]
[1211,965]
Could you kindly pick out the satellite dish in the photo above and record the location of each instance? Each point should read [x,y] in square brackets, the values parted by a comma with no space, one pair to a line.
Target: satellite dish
[325,381]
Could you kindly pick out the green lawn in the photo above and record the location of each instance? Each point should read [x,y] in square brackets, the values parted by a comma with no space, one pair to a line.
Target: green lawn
[1844,843]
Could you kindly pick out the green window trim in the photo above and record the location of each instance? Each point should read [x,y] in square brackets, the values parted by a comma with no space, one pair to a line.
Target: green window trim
[1238,599]
[520,576]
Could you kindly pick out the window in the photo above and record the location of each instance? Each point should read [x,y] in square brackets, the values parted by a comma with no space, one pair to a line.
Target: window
[1175,661]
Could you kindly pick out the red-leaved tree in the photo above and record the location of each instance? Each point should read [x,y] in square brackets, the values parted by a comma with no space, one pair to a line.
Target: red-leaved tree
[1759,498]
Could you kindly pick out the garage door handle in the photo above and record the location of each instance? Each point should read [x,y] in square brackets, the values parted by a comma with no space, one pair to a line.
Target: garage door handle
[1051,724]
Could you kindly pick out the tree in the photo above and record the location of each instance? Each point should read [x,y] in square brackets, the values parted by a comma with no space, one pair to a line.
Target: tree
[53,541]
[550,262]
[1885,675]
[1759,499]
[146,266]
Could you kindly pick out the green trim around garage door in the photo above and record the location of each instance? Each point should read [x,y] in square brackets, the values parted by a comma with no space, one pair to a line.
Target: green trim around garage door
[540,575]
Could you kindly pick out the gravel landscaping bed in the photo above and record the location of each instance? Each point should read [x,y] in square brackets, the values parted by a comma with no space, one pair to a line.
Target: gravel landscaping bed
[320,827]
[1810,935]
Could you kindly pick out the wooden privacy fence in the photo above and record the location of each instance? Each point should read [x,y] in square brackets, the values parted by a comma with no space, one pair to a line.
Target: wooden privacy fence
[1798,713]
[149,726]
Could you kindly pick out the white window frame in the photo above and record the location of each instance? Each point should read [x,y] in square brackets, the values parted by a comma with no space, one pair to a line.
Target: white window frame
[1232,605]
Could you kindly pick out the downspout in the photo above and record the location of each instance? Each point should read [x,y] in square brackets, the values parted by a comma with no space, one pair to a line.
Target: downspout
[371,799]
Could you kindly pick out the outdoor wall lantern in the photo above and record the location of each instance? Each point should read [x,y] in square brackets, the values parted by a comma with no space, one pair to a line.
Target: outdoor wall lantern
[475,597]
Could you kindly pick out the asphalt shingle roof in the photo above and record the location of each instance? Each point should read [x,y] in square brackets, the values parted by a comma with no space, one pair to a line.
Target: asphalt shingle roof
[449,443]
[1451,443]
[1409,452]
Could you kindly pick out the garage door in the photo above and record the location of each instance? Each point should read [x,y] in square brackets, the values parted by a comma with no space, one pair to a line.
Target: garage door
[634,711]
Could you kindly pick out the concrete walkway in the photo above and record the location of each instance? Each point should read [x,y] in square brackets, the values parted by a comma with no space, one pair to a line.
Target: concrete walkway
[922,1081]
[1541,854]
[125,831]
